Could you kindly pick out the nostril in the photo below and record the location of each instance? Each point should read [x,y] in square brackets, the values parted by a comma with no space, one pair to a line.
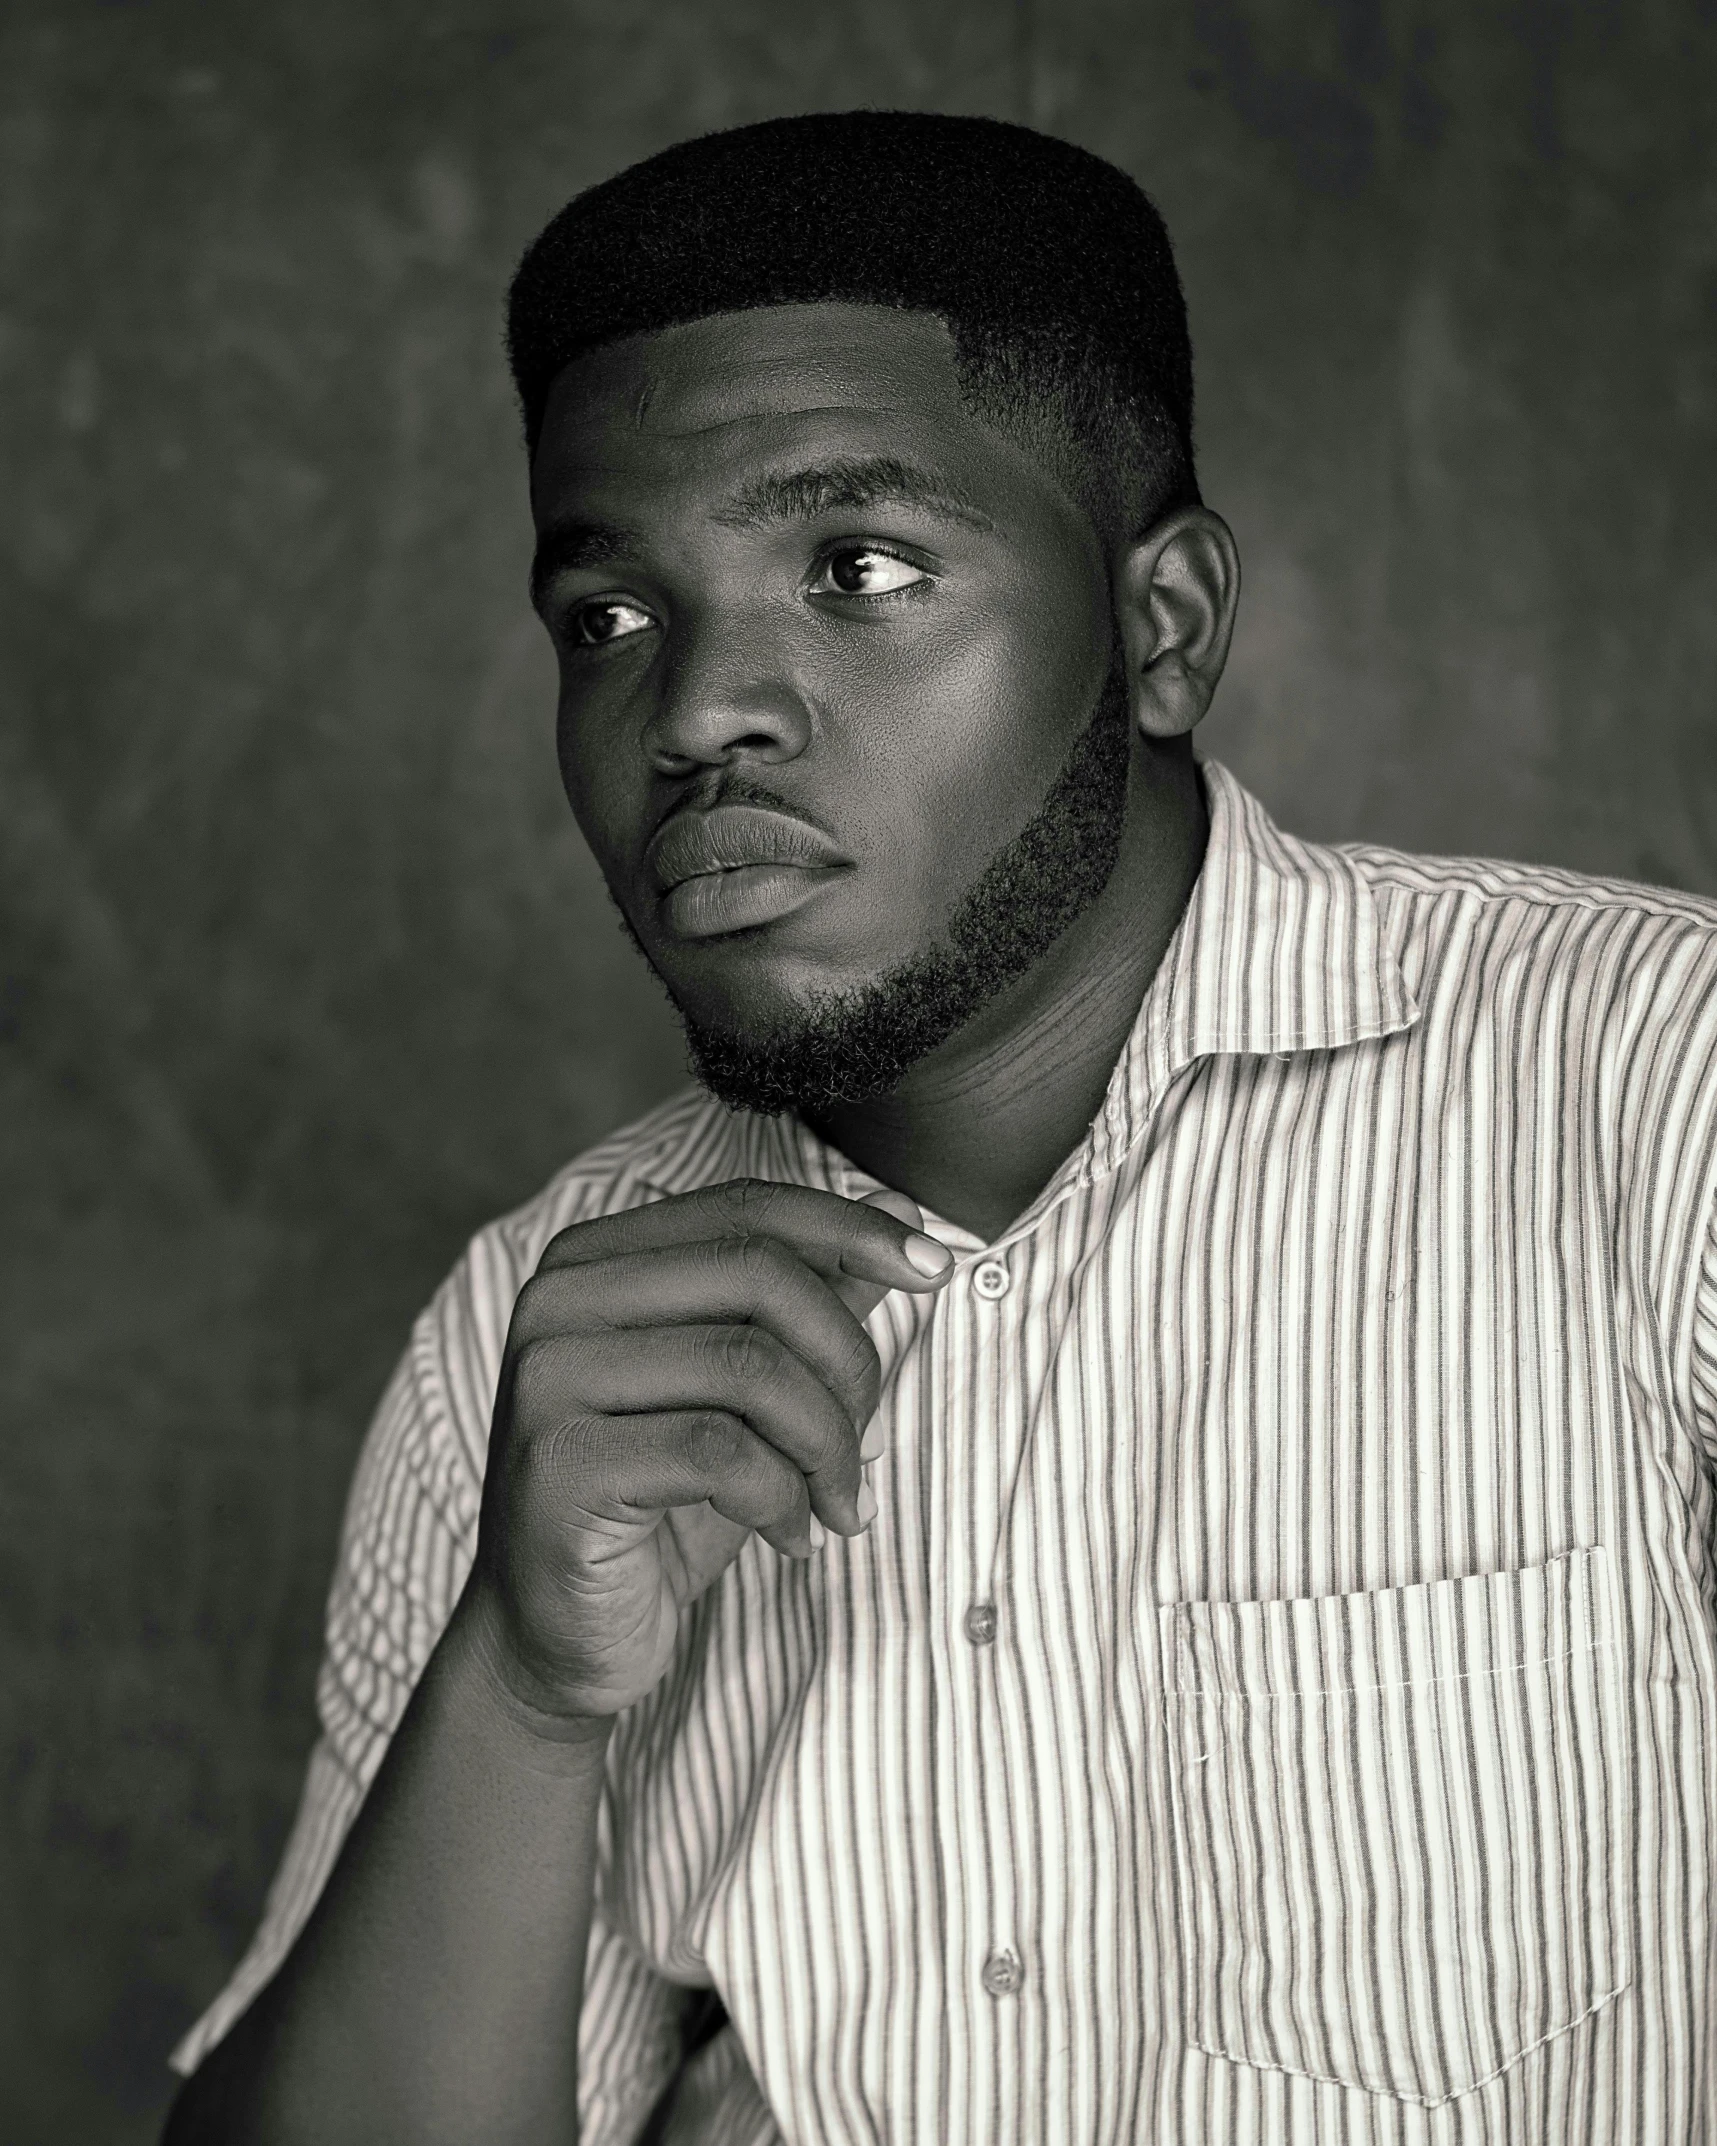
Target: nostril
[709,721]
[755,745]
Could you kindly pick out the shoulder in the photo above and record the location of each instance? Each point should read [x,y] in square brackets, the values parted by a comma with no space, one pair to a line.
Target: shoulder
[1535,891]
[642,1161]
[1629,954]
[681,1143]
[456,1346]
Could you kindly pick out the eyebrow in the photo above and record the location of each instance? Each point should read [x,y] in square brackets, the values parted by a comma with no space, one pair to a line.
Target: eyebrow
[844,485]
[847,483]
[565,547]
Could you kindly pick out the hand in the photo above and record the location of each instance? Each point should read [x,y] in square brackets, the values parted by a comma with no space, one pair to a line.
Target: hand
[676,1377]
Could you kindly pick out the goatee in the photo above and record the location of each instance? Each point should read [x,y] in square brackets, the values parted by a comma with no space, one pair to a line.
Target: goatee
[848,1046]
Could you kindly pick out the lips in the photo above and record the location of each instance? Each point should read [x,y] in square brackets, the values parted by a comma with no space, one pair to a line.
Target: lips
[737,866]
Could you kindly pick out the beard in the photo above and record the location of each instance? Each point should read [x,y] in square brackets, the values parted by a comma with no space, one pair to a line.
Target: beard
[850,1046]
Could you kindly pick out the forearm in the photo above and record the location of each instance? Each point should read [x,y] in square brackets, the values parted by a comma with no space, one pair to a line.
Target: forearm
[434,1994]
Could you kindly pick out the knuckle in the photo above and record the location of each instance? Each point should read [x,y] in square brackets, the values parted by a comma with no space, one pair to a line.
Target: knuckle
[553,1460]
[534,1304]
[756,1262]
[849,1371]
[744,1204]
[536,1379]
[861,1367]
[570,1246]
[745,1355]
[867,1228]
[715,1442]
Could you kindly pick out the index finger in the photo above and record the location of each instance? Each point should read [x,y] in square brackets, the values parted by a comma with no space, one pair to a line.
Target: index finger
[832,1235]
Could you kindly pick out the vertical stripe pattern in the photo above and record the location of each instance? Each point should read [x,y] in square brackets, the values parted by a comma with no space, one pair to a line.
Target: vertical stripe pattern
[1277,1699]
[1323,1935]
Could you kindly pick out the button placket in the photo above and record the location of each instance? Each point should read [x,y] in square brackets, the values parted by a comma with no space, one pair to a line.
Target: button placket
[976,1823]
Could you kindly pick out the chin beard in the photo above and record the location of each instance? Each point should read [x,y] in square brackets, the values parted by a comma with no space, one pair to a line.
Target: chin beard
[849,1046]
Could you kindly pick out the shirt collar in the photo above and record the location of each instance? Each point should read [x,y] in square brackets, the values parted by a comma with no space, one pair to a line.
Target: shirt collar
[1279,950]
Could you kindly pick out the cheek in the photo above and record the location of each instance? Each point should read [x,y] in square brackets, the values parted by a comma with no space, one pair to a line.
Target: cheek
[973,743]
[594,777]
[574,772]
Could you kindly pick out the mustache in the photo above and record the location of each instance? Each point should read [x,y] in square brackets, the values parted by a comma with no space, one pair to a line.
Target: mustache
[735,787]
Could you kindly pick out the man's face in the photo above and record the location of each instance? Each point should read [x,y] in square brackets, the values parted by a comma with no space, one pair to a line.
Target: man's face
[825,644]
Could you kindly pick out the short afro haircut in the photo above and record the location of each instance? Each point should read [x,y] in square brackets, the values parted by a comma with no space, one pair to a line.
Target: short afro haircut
[1050,268]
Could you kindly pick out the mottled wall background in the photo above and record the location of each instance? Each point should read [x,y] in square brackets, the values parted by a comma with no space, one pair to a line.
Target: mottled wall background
[303,974]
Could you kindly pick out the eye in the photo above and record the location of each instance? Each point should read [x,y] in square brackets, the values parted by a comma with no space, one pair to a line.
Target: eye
[864,570]
[600,624]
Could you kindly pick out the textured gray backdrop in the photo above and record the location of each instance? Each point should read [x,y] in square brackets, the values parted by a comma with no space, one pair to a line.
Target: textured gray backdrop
[303,974]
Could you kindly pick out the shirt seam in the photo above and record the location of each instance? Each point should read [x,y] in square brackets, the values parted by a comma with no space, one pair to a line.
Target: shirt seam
[1422,2101]
[1341,1691]
[1599,894]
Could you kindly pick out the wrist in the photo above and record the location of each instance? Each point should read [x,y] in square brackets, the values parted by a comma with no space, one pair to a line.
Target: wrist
[482,1661]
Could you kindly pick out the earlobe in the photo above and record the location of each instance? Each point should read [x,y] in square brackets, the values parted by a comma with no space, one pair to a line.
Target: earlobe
[1177,589]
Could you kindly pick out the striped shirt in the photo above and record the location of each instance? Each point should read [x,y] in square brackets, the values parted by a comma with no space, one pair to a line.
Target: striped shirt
[1277,1700]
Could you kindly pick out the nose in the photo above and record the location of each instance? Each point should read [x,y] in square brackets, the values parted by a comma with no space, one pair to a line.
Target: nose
[722,697]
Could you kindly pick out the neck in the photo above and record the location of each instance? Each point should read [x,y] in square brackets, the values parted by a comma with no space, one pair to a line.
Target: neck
[980,1126]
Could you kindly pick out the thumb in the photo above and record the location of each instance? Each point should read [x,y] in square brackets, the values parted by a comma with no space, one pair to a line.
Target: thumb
[860,1297]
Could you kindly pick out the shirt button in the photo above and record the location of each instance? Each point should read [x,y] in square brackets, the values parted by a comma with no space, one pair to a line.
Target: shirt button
[1002,1974]
[981,1623]
[990,1279]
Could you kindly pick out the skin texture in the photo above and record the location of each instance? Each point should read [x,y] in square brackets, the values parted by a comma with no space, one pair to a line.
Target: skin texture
[674,1377]
[856,1045]
[920,727]
[682,1375]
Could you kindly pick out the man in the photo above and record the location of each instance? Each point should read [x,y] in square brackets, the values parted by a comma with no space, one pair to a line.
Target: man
[1107,1533]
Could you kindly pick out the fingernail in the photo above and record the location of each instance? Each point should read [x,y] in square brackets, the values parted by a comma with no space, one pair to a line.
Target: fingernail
[926,1254]
[866,1505]
[870,1445]
[816,1534]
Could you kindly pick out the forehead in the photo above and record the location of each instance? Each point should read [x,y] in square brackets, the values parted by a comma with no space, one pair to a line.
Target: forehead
[715,397]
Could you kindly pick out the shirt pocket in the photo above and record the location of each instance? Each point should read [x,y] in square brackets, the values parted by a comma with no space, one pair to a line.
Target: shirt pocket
[1398,1824]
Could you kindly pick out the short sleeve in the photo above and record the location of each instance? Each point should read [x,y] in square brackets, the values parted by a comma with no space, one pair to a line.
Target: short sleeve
[406,1545]
[1704,1354]
[397,1575]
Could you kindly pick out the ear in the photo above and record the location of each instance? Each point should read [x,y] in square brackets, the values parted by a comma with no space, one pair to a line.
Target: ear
[1177,588]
